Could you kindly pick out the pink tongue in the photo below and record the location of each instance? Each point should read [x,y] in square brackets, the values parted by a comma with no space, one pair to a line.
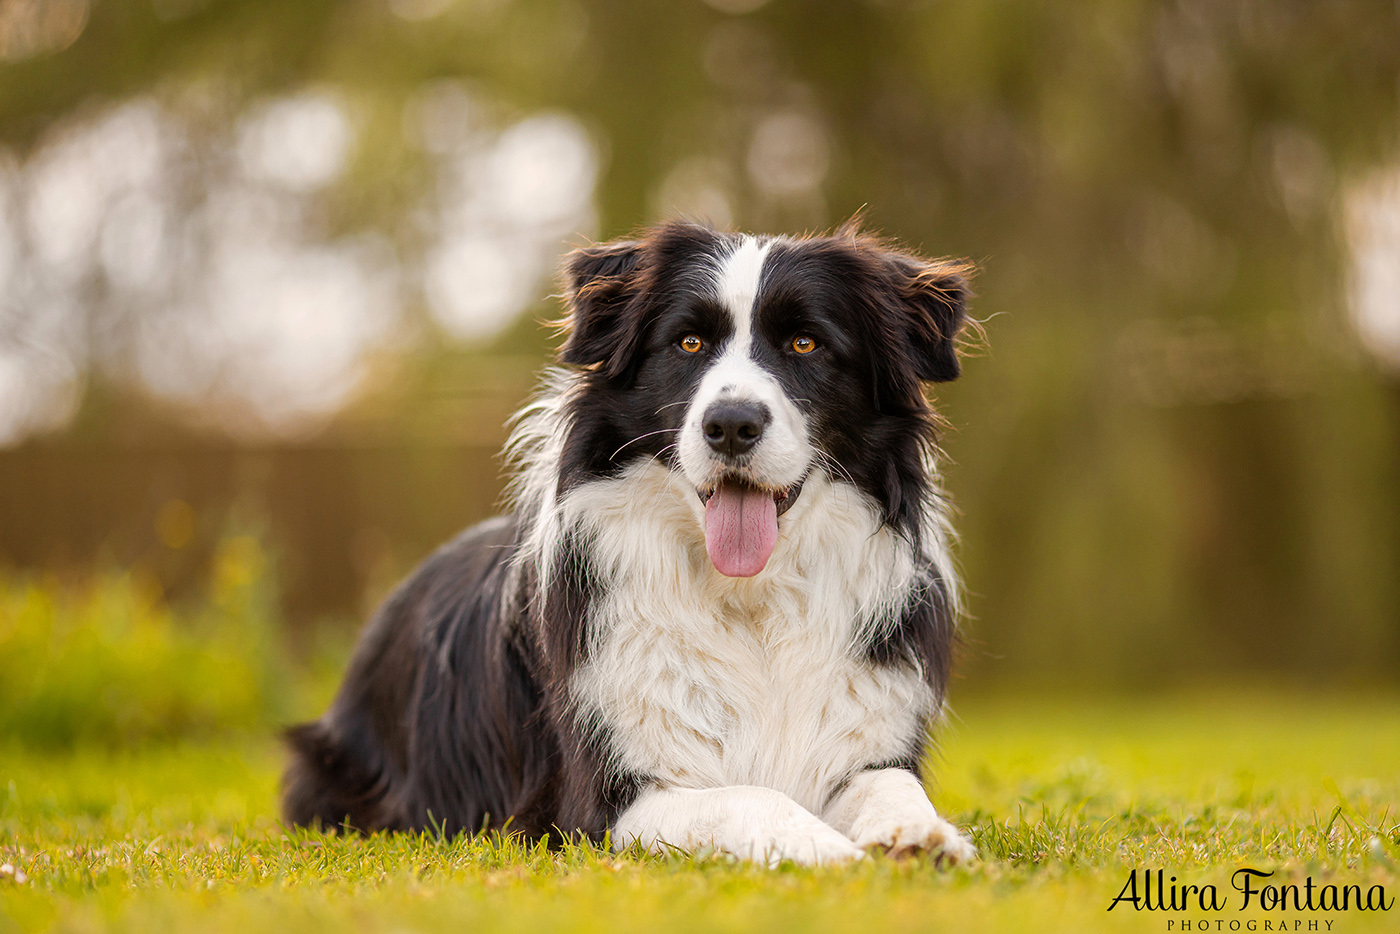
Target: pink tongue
[741,528]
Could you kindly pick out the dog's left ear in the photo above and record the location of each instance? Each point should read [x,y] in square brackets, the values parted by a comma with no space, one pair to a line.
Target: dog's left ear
[600,283]
[935,295]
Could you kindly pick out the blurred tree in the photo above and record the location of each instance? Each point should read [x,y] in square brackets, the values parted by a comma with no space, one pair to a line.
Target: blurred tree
[1177,459]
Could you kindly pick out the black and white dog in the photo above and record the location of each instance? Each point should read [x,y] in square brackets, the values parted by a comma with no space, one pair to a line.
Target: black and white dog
[721,613]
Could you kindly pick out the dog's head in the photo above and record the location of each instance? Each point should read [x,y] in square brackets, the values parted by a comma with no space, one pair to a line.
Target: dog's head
[746,363]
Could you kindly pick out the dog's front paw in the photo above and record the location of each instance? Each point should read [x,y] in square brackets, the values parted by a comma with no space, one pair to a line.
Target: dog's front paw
[907,836]
[750,822]
[810,844]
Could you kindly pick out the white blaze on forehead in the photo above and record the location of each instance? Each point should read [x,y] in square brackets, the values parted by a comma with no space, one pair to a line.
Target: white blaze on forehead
[782,457]
[740,274]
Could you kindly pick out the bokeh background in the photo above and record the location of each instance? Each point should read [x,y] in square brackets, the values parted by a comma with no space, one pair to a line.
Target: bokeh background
[273,276]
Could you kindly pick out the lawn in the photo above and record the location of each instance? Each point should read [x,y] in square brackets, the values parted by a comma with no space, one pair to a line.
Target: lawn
[1063,798]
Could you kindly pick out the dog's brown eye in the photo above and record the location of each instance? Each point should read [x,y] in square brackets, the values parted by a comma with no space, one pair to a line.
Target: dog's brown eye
[803,344]
[691,343]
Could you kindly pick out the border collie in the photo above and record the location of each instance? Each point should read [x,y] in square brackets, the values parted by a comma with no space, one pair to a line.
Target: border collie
[720,613]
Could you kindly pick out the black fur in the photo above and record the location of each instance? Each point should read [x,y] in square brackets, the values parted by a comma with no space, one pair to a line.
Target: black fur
[455,711]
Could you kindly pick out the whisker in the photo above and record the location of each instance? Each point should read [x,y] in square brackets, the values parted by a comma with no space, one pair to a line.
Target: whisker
[659,431]
[830,462]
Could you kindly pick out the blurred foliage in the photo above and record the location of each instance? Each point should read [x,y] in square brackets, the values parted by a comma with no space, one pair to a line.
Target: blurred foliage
[106,662]
[1175,459]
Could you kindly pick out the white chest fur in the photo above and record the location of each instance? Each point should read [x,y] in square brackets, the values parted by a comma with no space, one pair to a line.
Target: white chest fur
[705,681]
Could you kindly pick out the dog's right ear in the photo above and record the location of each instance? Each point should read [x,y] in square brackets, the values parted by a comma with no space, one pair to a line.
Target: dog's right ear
[600,282]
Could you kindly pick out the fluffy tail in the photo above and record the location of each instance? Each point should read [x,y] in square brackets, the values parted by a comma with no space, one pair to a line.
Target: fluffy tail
[336,783]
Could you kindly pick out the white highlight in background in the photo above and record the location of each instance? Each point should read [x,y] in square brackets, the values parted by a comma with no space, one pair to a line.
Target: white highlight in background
[1373,234]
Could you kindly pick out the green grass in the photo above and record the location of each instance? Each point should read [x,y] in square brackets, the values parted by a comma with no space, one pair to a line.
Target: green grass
[1062,799]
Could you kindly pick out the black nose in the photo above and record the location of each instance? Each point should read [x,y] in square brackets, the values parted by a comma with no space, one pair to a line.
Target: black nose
[733,428]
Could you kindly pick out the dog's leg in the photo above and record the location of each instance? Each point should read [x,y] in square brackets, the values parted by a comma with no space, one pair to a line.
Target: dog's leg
[888,809]
[747,821]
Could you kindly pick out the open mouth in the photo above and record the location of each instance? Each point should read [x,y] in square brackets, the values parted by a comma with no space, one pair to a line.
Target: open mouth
[741,524]
[782,498]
